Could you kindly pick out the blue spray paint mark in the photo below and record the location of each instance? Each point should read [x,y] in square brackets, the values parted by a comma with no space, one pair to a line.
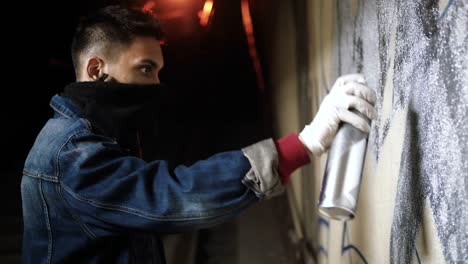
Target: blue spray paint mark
[445,9]
[417,254]
[322,249]
[350,247]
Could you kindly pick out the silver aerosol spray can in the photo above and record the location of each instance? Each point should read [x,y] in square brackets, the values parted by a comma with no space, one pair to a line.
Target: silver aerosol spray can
[342,179]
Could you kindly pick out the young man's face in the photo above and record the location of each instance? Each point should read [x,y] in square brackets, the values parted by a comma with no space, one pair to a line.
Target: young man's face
[138,63]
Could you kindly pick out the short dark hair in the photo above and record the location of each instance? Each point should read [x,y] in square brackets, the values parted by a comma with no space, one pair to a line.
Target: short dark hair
[111,27]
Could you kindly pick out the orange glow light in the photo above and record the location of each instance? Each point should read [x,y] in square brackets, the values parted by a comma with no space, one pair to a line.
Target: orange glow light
[206,13]
[248,27]
[148,7]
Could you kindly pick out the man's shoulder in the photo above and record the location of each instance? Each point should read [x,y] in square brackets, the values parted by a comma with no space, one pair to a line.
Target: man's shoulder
[42,160]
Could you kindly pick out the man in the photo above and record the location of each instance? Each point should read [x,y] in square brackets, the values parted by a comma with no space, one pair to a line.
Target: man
[92,193]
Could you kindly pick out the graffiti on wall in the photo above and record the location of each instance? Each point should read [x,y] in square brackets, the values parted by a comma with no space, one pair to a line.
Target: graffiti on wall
[415,54]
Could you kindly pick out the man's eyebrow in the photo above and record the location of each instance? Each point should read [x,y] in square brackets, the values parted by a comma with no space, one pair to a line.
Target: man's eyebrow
[151,62]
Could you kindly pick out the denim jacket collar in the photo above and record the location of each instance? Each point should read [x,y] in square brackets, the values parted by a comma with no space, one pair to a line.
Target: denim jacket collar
[66,107]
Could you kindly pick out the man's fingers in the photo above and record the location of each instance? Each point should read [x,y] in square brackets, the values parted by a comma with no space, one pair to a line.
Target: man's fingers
[355,77]
[360,90]
[361,105]
[355,120]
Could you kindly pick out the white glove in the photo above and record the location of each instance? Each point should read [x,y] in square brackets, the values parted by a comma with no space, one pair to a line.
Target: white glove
[348,92]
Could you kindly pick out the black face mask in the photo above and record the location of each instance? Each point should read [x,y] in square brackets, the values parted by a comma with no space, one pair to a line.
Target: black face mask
[126,112]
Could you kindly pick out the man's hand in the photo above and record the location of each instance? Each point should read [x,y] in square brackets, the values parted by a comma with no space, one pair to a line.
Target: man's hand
[348,93]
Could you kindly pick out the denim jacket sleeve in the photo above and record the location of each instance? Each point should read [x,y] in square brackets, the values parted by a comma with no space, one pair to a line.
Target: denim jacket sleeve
[110,189]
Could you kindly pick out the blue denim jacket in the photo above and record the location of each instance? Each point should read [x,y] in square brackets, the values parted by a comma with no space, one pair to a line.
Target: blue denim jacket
[85,200]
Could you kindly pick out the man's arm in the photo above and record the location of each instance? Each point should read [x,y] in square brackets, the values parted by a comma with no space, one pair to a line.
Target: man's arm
[112,190]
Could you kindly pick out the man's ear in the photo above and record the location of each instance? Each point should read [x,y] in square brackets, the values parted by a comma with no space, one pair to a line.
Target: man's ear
[94,68]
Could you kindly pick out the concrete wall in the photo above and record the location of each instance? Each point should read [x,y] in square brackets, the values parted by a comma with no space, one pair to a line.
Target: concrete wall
[413,205]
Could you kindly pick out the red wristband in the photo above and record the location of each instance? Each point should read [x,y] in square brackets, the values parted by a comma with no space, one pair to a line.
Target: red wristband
[292,155]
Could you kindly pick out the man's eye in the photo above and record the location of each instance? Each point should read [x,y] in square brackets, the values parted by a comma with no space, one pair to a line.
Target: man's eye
[145,69]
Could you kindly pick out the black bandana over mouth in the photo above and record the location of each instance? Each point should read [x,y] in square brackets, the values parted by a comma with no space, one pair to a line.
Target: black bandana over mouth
[126,112]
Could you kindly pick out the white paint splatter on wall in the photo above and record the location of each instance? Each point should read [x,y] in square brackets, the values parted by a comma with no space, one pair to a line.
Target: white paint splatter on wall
[413,205]
[416,53]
